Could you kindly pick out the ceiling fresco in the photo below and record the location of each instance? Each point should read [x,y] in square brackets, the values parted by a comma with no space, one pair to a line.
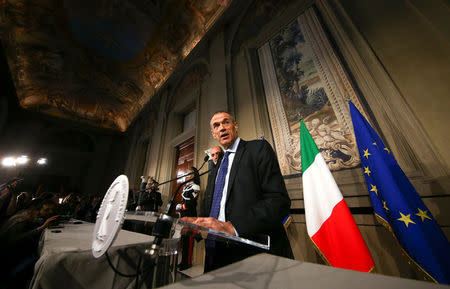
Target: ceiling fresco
[99,62]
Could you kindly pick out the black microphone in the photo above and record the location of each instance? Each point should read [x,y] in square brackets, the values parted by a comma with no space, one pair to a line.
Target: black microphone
[205,159]
[161,230]
[196,177]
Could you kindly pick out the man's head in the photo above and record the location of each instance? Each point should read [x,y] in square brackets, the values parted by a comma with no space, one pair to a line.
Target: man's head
[215,153]
[48,209]
[224,128]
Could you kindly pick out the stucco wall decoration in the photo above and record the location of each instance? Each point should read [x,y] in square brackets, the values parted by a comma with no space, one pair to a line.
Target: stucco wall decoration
[99,62]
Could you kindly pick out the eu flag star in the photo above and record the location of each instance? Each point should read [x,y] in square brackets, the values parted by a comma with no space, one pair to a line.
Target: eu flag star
[388,151]
[406,219]
[366,153]
[423,214]
[367,171]
[375,143]
[374,189]
[384,206]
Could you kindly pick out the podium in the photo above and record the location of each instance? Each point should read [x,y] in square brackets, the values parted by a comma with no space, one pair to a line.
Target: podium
[156,264]
[163,258]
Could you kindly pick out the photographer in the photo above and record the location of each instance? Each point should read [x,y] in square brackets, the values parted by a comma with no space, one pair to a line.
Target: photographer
[150,199]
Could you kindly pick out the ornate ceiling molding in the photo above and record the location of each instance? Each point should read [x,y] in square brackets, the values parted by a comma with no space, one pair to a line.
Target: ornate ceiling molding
[99,62]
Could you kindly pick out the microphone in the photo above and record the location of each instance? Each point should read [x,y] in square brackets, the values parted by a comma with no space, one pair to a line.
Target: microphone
[196,177]
[163,225]
[205,159]
[161,230]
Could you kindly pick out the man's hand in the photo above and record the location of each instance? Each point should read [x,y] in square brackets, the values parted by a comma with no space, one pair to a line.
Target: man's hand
[211,223]
[47,222]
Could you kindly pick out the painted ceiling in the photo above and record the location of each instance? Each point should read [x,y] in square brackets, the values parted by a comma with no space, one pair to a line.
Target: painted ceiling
[99,62]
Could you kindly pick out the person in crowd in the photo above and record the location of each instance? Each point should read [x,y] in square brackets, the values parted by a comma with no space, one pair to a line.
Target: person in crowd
[188,208]
[19,237]
[8,199]
[95,206]
[216,153]
[23,200]
[248,198]
[84,209]
[150,199]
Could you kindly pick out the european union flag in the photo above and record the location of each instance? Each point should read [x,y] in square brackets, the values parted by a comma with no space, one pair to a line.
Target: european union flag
[398,206]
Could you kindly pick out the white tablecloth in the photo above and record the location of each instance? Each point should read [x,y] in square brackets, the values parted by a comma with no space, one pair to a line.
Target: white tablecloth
[66,260]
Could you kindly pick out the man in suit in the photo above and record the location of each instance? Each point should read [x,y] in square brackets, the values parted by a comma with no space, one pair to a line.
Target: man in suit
[216,152]
[248,197]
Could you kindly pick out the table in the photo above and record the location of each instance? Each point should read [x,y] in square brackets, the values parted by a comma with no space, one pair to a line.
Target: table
[269,271]
[66,260]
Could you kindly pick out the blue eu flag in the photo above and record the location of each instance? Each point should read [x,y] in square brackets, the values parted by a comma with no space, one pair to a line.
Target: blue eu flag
[398,206]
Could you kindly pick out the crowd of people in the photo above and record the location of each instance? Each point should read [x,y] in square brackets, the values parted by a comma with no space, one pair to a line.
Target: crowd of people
[23,217]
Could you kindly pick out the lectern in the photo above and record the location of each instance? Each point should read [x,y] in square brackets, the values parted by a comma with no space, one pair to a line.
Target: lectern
[157,263]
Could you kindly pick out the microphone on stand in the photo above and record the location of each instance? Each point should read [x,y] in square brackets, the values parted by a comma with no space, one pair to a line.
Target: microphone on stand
[163,225]
[196,177]
[205,159]
[177,178]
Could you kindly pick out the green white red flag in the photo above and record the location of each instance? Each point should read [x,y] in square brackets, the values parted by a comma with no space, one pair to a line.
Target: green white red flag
[329,223]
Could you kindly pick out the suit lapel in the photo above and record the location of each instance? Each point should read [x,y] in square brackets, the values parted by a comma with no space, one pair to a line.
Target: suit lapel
[234,168]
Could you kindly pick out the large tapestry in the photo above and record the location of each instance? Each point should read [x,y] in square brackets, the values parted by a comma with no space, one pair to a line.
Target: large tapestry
[304,79]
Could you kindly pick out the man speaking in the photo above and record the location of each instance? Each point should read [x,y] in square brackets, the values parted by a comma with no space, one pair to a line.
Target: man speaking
[248,198]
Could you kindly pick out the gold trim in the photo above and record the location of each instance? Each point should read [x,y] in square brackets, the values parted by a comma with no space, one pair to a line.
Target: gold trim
[372,270]
[386,224]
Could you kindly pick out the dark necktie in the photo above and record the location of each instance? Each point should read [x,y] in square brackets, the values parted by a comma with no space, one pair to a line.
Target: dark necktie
[218,188]
[217,197]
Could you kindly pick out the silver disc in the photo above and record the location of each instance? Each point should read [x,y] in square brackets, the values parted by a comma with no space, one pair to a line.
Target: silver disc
[110,216]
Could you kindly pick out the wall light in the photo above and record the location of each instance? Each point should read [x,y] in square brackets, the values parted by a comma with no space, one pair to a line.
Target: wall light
[9,162]
[22,160]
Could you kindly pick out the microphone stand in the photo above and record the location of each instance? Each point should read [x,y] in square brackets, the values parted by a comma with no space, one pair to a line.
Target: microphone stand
[163,225]
[205,159]
[161,229]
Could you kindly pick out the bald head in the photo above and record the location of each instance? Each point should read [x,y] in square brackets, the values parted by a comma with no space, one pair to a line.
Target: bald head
[215,153]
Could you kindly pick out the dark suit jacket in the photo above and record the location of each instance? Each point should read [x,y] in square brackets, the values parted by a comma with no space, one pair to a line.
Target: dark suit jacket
[257,200]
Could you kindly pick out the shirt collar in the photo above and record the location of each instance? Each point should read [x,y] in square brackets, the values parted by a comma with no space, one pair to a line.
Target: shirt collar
[234,147]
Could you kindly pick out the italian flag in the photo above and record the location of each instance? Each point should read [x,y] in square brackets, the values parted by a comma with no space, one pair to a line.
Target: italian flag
[329,222]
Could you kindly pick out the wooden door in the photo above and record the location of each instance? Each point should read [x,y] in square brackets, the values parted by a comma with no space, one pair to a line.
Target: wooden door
[183,164]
